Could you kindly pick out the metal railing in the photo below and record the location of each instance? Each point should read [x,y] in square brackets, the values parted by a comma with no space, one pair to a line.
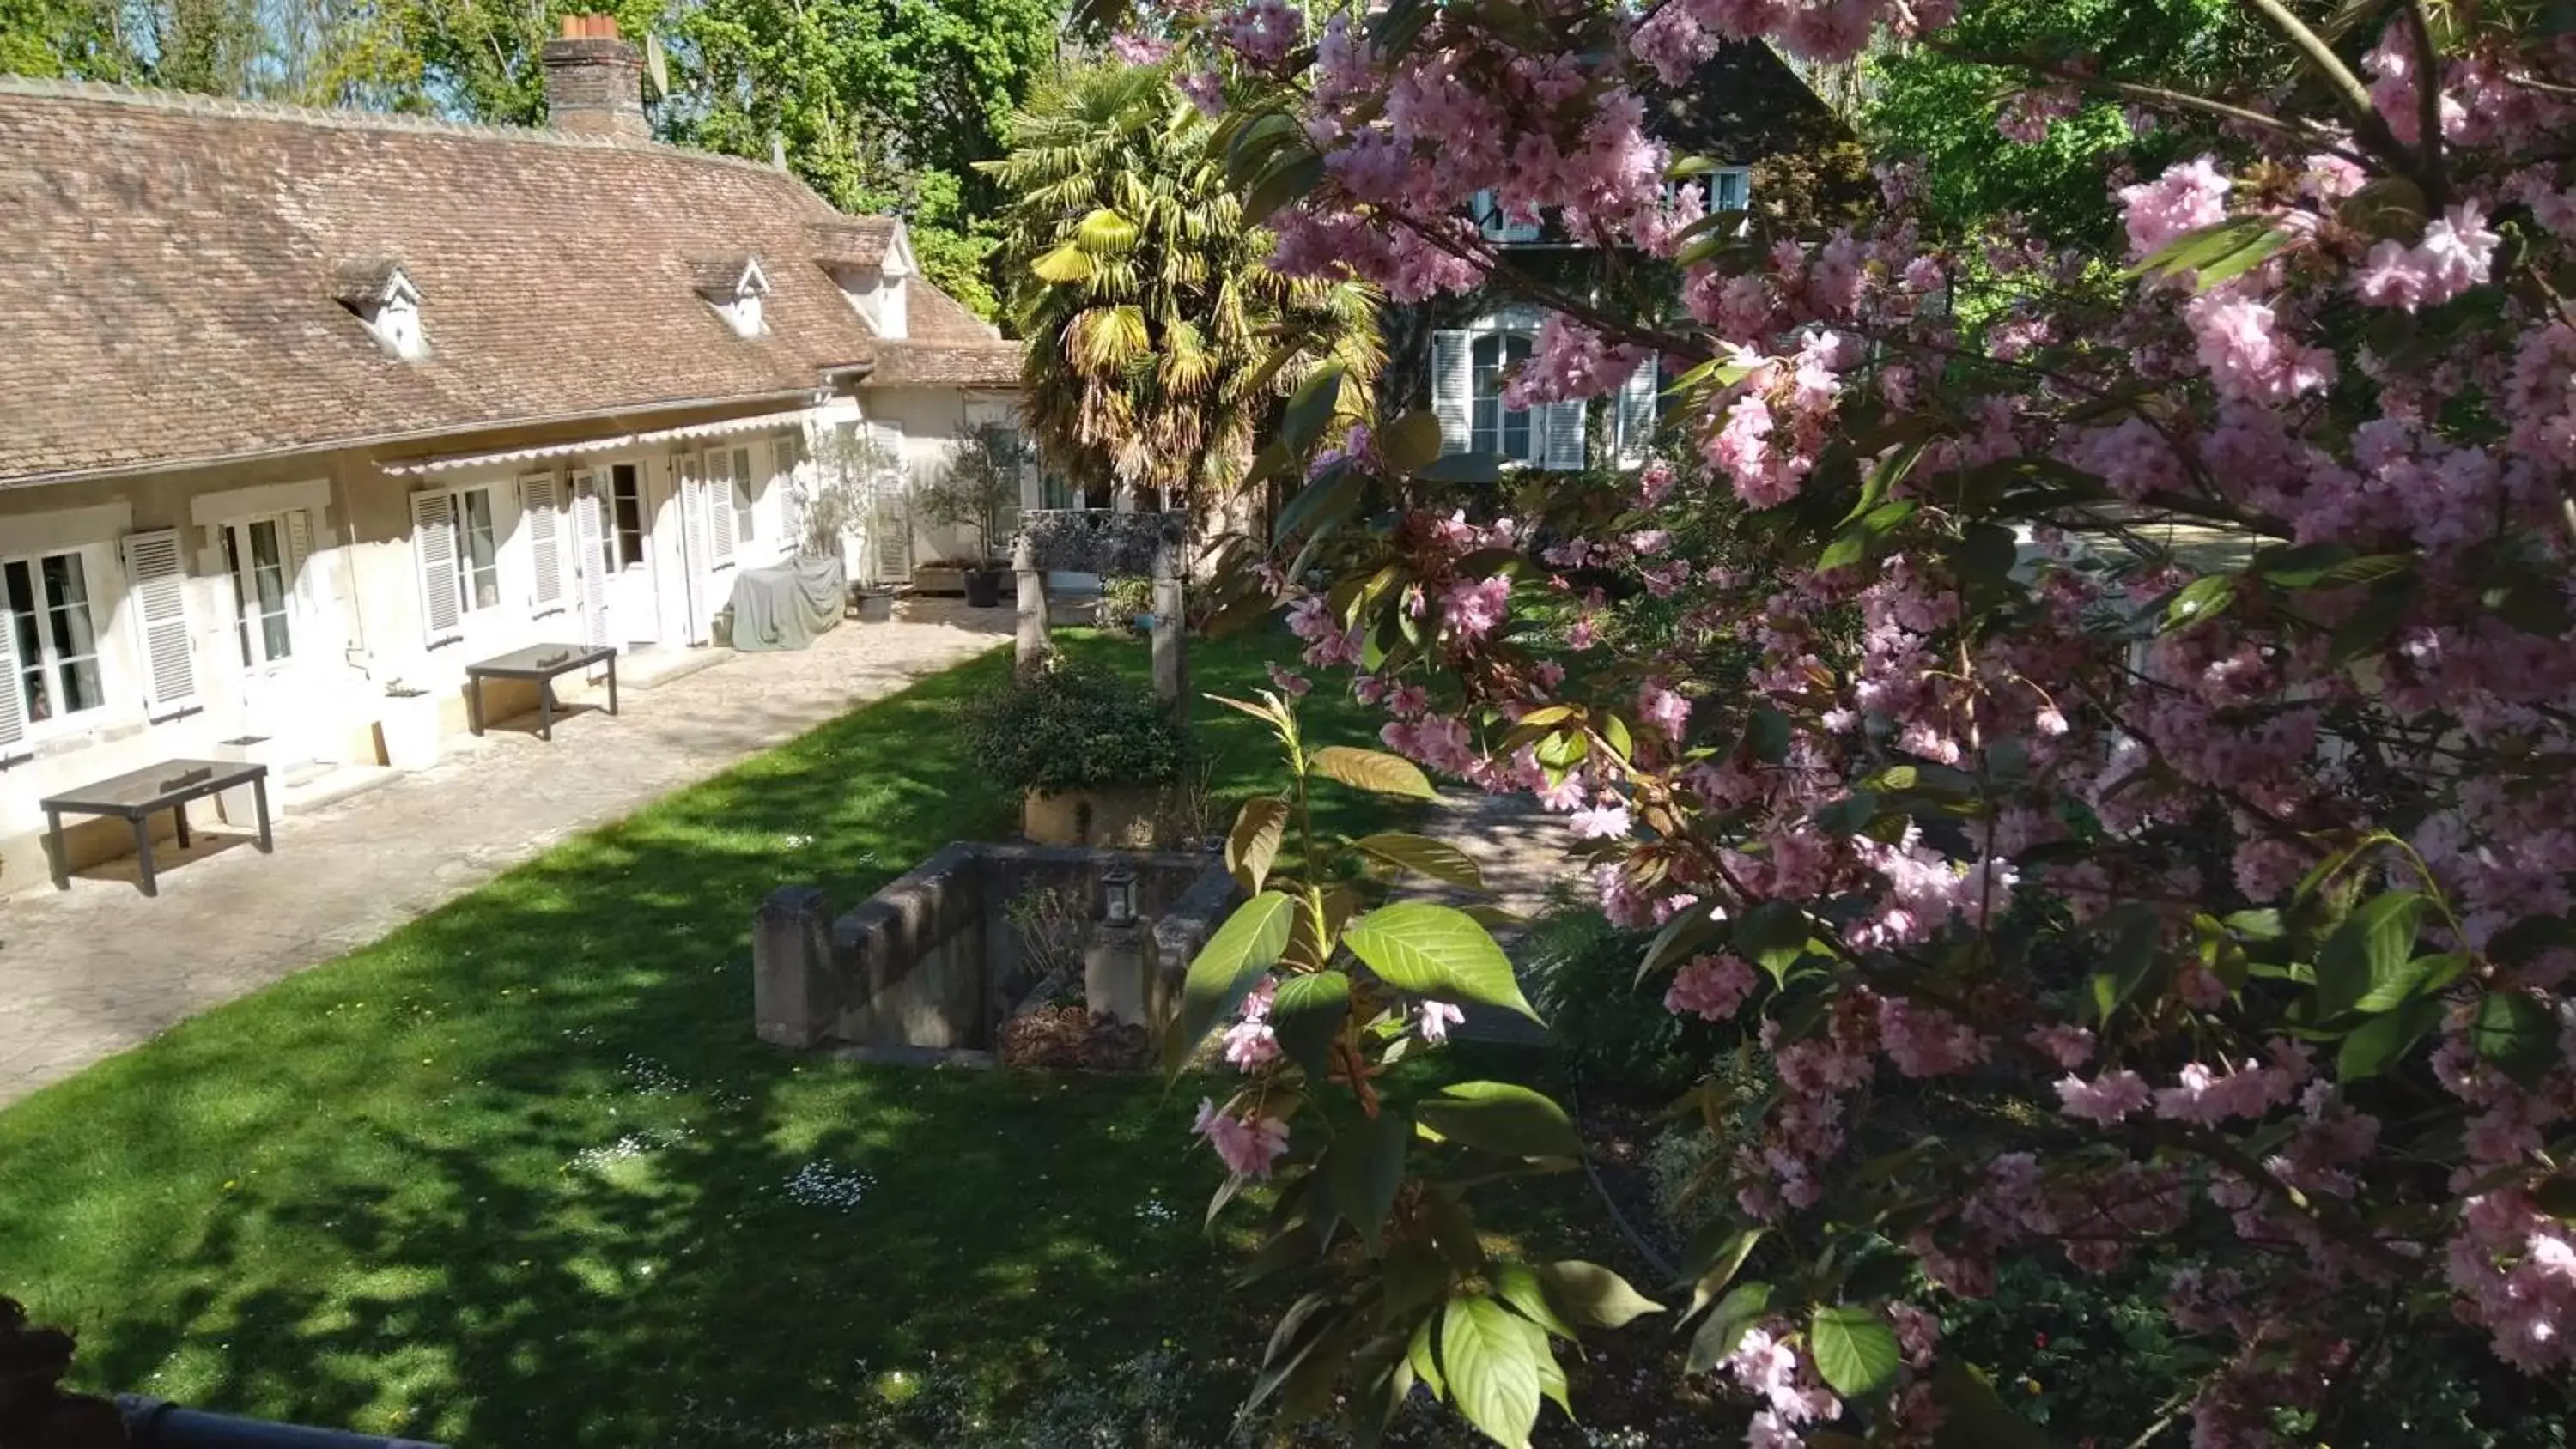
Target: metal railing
[159,1424]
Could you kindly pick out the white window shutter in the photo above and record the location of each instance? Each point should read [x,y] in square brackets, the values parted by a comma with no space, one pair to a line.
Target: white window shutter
[589,533]
[433,549]
[1559,441]
[1637,415]
[1450,386]
[693,514]
[890,510]
[156,580]
[717,490]
[13,706]
[545,542]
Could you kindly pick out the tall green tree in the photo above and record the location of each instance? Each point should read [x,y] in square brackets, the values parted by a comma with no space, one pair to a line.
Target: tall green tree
[881,105]
[1939,102]
[1148,301]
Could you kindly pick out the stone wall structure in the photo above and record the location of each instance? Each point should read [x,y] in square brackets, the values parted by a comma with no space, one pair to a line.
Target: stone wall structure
[925,965]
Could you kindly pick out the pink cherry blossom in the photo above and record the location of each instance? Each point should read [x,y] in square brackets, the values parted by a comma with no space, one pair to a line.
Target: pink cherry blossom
[1434,1018]
[2108,1099]
[1712,988]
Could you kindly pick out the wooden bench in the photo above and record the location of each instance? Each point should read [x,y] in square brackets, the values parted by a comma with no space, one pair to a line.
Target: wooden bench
[137,797]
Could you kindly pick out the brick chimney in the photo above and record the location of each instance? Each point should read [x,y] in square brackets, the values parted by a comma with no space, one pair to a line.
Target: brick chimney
[594,80]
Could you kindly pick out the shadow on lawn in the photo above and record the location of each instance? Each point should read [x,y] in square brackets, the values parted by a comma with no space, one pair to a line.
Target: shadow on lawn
[520,1174]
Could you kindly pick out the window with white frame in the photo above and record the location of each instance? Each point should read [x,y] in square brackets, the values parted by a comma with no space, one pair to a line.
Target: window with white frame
[478,552]
[622,542]
[1496,224]
[1730,188]
[53,622]
[257,556]
[1492,426]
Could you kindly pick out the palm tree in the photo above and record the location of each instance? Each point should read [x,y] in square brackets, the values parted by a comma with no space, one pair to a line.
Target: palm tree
[1152,314]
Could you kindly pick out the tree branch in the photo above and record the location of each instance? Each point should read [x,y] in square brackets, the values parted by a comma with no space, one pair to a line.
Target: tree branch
[2428,107]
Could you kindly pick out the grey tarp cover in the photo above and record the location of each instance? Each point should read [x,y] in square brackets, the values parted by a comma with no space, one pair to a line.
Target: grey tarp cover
[786,605]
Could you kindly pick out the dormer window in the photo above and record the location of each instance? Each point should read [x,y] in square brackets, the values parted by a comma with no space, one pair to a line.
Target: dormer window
[734,286]
[869,259]
[387,305]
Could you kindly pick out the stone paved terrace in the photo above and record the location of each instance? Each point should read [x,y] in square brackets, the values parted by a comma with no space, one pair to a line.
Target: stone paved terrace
[97,969]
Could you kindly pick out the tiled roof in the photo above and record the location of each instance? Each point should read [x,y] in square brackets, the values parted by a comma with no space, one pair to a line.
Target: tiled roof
[171,269]
[945,346]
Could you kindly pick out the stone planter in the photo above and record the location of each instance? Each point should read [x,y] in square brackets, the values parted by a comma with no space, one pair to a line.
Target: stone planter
[1122,816]
[408,728]
[938,579]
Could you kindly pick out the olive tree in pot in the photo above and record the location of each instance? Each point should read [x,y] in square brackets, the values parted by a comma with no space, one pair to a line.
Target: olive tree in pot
[1093,754]
[978,487]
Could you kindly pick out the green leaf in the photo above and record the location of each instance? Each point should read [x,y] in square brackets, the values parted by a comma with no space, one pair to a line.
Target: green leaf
[1103,230]
[1986,552]
[2130,959]
[1418,1355]
[1725,1263]
[1283,183]
[1766,734]
[1855,1350]
[1974,1416]
[1437,951]
[1254,842]
[2370,568]
[1307,1016]
[1225,971]
[2218,251]
[1491,1355]
[1321,504]
[1502,1118]
[1726,1325]
[2367,955]
[1366,1169]
[2517,1033]
[1593,1296]
[2382,1041]
[2556,1197]
[2202,599]
[1411,443]
[1688,930]
[1772,935]
[1374,770]
[1519,1285]
[1437,859]
[1312,407]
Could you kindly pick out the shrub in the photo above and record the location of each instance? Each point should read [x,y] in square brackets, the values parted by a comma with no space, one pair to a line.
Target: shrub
[1582,973]
[1122,599]
[1068,726]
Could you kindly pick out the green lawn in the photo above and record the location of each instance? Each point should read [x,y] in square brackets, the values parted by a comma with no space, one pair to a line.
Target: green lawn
[519,1174]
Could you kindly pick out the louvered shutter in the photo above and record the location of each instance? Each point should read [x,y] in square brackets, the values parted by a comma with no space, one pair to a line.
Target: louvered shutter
[545,543]
[744,521]
[433,550]
[716,489]
[157,582]
[304,581]
[890,505]
[1559,444]
[1637,415]
[13,704]
[1451,385]
[589,544]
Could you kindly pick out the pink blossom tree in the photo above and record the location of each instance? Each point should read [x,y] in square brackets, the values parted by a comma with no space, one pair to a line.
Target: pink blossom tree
[2242,886]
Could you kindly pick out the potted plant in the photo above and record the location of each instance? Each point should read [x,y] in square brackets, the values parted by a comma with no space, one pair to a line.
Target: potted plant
[1093,754]
[409,727]
[977,488]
